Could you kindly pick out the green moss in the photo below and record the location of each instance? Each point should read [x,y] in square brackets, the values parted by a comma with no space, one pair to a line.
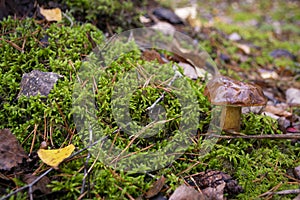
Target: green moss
[258,165]
[107,14]
[65,48]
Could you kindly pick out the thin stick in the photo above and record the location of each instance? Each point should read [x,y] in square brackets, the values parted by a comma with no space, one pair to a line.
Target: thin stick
[49,170]
[27,186]
[45,128]
[127,194]
[272,137]
[33,139]
[283,192]
[176,75]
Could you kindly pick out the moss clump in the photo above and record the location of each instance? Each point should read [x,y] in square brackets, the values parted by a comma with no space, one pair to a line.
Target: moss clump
[28,46]
[107,14]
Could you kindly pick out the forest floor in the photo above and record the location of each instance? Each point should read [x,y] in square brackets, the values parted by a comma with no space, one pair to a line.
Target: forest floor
[53,148]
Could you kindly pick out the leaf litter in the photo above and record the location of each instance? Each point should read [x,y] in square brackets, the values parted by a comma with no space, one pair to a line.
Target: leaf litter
[11,152]
[216,181]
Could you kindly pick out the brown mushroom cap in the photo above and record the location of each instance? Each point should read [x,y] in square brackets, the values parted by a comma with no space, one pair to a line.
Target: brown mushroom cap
[223,90]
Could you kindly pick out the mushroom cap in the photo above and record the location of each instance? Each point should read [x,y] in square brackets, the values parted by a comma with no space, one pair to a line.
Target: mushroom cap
[223,90]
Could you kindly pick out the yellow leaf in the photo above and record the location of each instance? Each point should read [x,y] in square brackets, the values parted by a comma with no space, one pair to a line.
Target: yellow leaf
[54,157]
[51,14]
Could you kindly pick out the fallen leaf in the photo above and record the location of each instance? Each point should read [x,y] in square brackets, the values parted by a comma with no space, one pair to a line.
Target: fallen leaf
[54,157]
[156,187]
[11,152]
[214,193]
[41,185]
[245,48]
[186,12]
[277,111]
[292,129]
[265,113]
[150,55]
[184,192]
[51,14]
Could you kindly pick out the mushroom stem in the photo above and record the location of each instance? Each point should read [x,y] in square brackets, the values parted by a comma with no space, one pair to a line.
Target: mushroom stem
[231,118]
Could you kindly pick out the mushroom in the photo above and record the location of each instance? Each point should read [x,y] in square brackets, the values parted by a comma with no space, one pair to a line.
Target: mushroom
[233,95]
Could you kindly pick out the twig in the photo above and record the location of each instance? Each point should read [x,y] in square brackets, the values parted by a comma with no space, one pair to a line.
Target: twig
[33,139]
[272,137]
[176,75]
[127,194]
[271,190]
[13,45]
[49,170]
[70,133]
[283,192]
[136,136]
[27,186]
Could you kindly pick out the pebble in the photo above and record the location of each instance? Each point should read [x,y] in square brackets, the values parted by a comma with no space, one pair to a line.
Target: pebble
[282,53]
[168,15]
[234,37]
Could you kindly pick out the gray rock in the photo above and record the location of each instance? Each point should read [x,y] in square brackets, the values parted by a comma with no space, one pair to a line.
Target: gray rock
[168,15]
[37,82]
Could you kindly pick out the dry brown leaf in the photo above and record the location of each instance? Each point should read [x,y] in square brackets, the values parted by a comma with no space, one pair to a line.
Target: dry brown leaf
[277,111]
[41,185]
[245,48]
[51,14]
[156,187]
[11,152]
[184,192]
[150,55]
[215,193]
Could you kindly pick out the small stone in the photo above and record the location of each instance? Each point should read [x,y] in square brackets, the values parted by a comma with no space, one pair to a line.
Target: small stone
[278,53]
[144,19]
[297,172]
[37,82]
[225,58]
[188,70]
[293,96]
[165,28]
[234,37]
[168,15]
[184,192]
